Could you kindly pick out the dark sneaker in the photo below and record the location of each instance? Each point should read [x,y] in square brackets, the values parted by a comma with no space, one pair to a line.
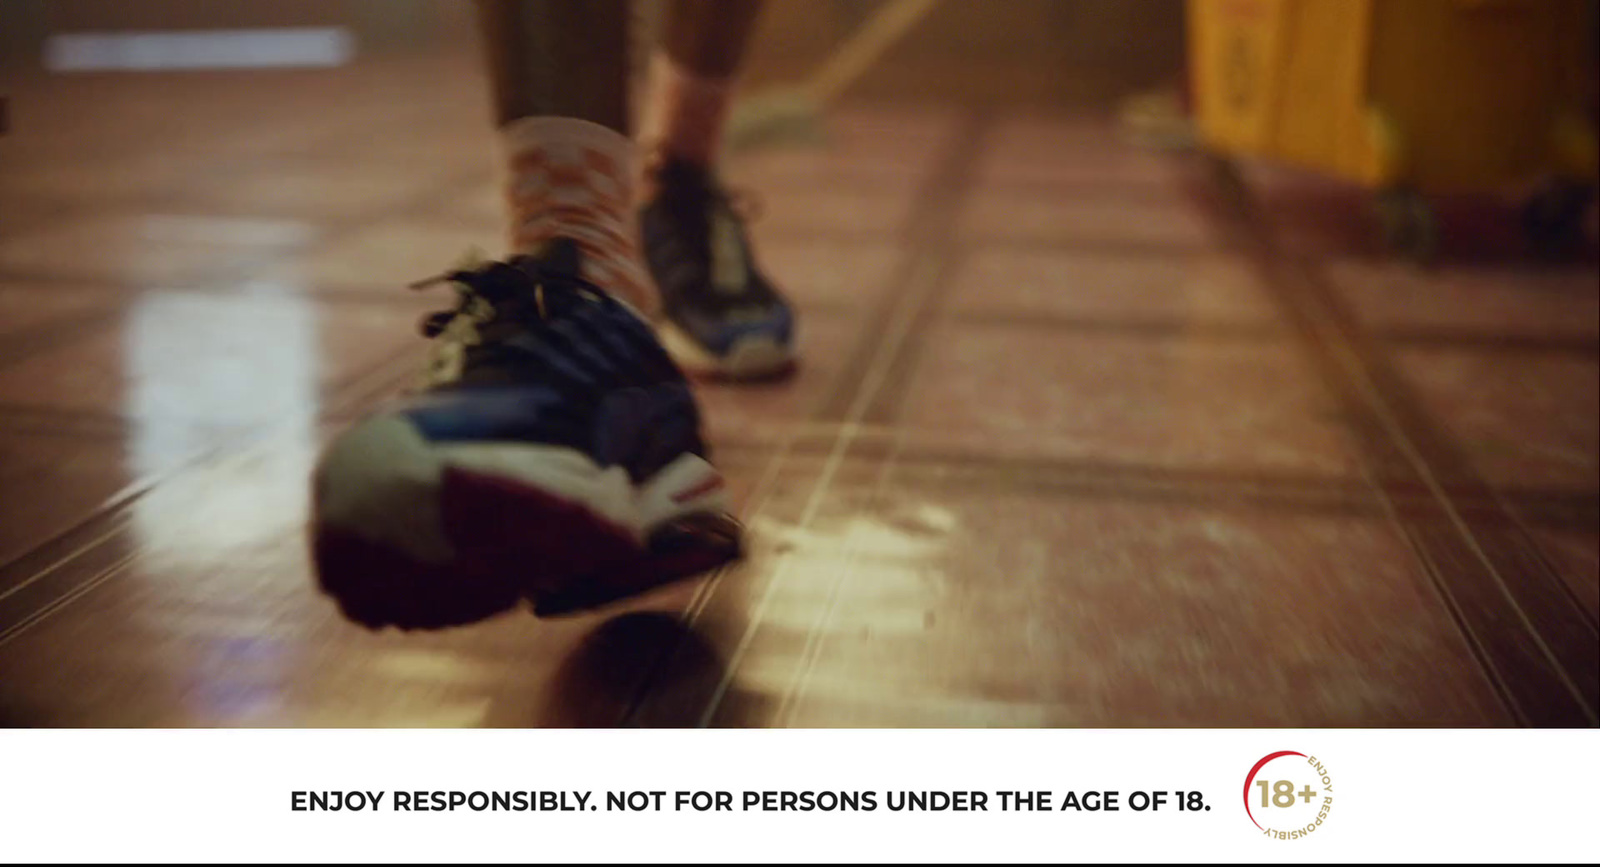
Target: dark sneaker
[722,316]
[553,456]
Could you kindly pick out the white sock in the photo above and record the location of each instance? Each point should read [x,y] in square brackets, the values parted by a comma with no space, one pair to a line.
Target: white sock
[576,179]
[685,112]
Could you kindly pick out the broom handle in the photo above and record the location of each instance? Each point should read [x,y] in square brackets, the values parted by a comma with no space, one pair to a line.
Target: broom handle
[865,46]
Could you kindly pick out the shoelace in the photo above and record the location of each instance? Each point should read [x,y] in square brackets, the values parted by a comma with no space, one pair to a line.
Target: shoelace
[739,201]
[484,287]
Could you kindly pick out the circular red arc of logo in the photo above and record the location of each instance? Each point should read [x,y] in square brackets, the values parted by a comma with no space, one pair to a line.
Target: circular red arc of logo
[1251,778]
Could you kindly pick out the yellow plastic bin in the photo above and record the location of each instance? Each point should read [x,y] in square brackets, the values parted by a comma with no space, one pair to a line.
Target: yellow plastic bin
[1407,97]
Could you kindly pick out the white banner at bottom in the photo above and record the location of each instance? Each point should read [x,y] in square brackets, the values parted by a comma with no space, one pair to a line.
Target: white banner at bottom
[760,796]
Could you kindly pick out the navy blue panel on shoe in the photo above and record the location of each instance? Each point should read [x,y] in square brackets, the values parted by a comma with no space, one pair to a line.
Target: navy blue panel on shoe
[644,429]
[719,336]
[520,412]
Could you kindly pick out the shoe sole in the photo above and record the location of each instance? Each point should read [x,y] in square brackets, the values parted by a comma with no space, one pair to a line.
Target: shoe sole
[750,358]
[459,535]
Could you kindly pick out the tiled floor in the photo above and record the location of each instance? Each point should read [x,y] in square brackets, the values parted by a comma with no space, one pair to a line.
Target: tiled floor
[1084,437]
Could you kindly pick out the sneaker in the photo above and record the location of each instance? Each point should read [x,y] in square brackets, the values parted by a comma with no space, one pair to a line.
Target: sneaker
[722,316]
[553,456]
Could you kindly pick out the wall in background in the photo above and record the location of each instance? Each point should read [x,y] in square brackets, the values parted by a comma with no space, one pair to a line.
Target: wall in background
[378,25]
[1045,49]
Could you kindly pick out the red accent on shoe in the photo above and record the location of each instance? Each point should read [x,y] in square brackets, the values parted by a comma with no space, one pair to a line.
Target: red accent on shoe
[706,486]
[512,542]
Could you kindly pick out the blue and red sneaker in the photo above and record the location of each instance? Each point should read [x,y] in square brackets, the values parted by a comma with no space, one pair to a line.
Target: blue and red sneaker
[554,457]
[721,315]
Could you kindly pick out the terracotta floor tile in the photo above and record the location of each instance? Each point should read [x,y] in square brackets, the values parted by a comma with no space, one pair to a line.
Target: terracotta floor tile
[1576,556]
[948,608]
[155,250]
[318,188]
[190,361]
[49,482]
[766,411]
[1068,153]
[1245,405]
[386,257]
[1523,419]
[1081,286]
[1153,224]
[26,306]
[1502,301]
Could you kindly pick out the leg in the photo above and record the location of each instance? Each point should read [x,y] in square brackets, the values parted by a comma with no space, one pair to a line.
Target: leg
[558,75]
[704,44]
[533,48]
[709,37]
[555,455]
[723,316]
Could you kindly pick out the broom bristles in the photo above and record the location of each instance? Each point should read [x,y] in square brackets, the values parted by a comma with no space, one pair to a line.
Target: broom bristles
[795,114]
[782,116]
